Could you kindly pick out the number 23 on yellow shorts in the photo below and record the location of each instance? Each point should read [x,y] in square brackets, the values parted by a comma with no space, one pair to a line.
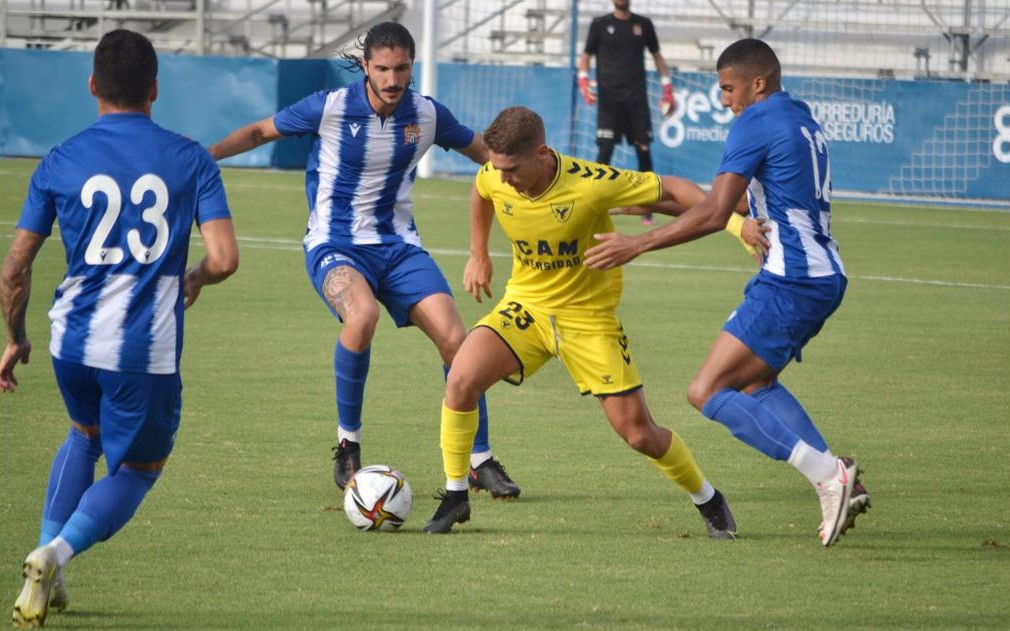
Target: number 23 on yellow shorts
[592,346]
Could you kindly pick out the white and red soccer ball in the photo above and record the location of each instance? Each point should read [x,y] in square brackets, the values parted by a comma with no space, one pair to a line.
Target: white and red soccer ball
[377,497]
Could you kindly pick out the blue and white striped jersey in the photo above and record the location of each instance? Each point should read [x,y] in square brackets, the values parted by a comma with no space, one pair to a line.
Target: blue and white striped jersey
[126,193]
[780,148]
[362,167]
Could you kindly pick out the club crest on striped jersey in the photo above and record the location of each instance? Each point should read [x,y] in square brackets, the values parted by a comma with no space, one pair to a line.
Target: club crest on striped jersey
[411,134]
[563,212]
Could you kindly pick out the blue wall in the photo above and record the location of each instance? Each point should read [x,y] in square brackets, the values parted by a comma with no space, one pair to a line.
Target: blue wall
[897,137]
[45,98]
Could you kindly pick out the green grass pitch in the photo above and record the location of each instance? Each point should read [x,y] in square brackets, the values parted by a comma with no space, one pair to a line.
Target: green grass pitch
[245,530]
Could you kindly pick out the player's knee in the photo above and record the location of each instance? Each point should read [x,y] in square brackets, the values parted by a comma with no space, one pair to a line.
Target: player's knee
[639,439]
[458,382]
[698,393]
[366,313]
[461,390]
[448,348]
[362,320]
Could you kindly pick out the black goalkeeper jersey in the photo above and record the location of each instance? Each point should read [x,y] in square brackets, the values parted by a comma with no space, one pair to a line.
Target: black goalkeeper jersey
[619,47]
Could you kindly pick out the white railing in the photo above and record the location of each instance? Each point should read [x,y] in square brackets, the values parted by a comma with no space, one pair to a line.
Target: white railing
[272,28]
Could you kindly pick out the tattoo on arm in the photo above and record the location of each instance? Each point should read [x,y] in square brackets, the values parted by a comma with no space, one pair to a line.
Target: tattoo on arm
[16,282]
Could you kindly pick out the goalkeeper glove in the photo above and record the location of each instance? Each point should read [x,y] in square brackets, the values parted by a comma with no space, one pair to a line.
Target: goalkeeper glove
[587,92]
[666,102]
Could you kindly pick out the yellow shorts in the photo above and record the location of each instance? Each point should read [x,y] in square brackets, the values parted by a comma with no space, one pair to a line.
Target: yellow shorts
[593,347]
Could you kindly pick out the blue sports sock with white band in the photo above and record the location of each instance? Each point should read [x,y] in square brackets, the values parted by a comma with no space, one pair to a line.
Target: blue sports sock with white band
[106,507]
[71,474]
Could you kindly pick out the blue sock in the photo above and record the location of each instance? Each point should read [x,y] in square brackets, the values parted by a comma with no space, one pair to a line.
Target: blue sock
[481,442]
[751,423]
[106,507]
[351,370]
[784,405]
[73,471]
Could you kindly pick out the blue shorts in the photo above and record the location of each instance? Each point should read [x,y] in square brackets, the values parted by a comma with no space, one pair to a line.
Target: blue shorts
[778,317]
[137,414]
[400,274]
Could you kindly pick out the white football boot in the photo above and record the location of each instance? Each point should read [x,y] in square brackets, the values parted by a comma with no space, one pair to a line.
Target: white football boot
[40,569]
[834,495]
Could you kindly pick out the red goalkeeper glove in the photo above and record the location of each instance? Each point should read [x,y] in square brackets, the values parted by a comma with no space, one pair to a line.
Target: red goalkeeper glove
[587,92]
[666,102]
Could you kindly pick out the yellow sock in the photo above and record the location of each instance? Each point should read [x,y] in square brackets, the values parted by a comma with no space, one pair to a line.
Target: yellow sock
[456,440]
[678,464]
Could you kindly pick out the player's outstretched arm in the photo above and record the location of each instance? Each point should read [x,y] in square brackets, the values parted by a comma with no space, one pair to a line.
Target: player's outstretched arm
[220,262]
[478,271]
[245,138]
[15,289]
[750,232]
[678,195]
[476,150]
[706,217]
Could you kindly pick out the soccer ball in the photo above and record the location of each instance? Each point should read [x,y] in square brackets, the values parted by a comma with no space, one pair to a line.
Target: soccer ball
[378,497]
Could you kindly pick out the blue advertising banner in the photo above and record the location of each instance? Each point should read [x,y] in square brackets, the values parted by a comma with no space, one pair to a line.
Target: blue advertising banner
[905,138]
[920,140]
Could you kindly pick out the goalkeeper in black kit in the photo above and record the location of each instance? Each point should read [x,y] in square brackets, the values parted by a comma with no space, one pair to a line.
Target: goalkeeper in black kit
[618,40]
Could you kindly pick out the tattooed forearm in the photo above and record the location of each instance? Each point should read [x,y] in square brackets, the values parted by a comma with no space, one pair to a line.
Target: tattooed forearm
[337,289]
[16,282]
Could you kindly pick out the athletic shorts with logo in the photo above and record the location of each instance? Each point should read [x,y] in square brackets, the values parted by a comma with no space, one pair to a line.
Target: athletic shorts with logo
[592,346]
[400,274]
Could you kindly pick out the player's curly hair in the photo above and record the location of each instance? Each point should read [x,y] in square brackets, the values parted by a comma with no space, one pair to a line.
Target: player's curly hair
[753,55]
[382,35]
[515,131]
[125,68]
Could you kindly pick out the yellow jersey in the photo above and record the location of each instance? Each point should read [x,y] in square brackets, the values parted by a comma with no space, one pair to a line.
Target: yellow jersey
[551,232]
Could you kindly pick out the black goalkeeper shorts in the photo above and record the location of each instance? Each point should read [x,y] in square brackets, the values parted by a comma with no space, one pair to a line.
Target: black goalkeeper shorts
[617,119]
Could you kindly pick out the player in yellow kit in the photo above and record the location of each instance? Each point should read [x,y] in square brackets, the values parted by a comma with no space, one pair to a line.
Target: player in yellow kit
[550,206]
